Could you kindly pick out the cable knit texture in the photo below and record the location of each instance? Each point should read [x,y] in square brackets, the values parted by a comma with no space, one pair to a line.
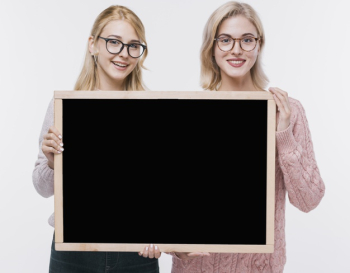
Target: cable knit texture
[296,173]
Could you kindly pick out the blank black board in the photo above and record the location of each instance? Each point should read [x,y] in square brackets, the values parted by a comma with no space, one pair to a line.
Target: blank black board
[181,165]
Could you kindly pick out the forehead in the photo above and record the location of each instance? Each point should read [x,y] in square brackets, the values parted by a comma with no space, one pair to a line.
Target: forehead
[120,28]
[237,26]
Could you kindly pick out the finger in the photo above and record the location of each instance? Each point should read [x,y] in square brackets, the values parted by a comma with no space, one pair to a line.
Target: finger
[54,130]
[49,146]
[145,252]
[142,252]
[52,144]
[52,136]
[284,95]
[283,107]
[279,103]
[151,251]
[157,252]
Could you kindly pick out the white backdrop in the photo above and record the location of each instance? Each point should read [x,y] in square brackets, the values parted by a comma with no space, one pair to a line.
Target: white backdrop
[42,48]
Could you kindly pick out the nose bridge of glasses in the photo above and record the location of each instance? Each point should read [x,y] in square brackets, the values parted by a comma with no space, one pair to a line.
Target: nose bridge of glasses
[236,44]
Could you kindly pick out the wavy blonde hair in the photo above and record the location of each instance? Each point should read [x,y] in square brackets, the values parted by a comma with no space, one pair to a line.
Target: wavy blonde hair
[210,77]
[88,77]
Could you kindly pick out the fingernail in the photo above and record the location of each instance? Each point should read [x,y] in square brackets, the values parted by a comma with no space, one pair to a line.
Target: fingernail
[59,136]
[61,144]
[63,149]
[155,247]
[146,247]
[151,246]
[59,152]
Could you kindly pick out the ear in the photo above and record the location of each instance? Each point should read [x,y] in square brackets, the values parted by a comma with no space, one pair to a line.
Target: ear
[92,48]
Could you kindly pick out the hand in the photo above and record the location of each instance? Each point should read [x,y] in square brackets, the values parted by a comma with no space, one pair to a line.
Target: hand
[190,255]
[283,108]
[150,251]
[51,145]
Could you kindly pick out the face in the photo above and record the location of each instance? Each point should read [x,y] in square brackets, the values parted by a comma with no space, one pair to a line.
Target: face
[236,63]
[114,68]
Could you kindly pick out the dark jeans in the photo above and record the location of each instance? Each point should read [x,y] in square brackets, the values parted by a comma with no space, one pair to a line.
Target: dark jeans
[100,262]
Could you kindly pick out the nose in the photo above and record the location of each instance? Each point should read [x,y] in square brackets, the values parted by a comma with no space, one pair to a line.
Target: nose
[124,52]
[236,50]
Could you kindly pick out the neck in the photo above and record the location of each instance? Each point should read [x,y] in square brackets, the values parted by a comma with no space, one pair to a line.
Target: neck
[237,84]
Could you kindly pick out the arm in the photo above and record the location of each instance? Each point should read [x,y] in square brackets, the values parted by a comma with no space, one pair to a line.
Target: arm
[43,175]
[296,156]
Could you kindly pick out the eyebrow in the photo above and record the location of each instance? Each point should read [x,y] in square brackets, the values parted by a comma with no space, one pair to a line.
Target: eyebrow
[244,34]
[119,37]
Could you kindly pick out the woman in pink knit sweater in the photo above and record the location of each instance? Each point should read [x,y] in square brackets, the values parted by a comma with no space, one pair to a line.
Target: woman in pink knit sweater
[233,40]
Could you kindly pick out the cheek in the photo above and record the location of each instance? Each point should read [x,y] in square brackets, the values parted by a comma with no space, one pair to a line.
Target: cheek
[253,56]
[133,63]
[219,55]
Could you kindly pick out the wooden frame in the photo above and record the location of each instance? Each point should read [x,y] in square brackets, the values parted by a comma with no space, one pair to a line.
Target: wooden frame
[60,96]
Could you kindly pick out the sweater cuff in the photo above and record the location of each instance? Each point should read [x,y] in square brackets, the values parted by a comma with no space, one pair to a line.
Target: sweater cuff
[46,172]
[174,255]
[285,140]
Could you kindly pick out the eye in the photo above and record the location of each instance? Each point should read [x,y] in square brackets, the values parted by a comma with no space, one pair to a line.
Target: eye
[114,42]
[248,40]
[225,40]
[134,46]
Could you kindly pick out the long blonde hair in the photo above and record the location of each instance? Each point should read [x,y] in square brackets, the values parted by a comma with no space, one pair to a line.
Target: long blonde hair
[88,77]
[210,78]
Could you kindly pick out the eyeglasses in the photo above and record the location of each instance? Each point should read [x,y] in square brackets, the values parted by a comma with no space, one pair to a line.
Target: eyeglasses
[115,46]
[247,43]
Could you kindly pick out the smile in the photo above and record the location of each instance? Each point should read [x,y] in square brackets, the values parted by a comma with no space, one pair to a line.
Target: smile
[236,63]
[120,64]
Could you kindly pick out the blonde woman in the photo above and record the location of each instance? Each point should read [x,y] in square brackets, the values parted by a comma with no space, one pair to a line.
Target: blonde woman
[233,40]
[116,50]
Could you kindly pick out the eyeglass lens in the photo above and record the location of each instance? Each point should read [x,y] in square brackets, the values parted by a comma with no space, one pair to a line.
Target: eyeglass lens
[226,43]
[134,50]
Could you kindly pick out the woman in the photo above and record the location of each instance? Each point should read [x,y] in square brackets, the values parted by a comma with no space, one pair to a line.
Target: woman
[114,60]
[233,40]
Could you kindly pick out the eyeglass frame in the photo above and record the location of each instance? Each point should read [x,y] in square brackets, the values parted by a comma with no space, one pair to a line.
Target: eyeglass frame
[127,45]
[234,42]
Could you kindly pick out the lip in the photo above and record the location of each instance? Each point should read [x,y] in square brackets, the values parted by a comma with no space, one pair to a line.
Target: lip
[241,62]
[119,67]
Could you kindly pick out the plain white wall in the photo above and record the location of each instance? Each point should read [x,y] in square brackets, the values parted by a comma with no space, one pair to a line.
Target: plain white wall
[42,48]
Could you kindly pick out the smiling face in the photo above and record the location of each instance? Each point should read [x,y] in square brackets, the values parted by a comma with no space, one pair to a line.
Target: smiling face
[114,68]
[236,63]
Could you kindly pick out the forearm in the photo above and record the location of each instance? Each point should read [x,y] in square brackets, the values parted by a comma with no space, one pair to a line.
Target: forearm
[301,175]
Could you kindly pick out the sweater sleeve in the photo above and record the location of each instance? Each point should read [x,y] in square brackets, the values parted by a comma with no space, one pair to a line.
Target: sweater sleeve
[296,156]
[43,175]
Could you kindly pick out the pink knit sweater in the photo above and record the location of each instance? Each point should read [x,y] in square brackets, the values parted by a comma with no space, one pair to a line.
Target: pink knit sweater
[298,175]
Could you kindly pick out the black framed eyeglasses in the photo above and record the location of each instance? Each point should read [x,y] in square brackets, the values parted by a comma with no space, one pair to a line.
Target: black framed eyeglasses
[226,43]
[115,46]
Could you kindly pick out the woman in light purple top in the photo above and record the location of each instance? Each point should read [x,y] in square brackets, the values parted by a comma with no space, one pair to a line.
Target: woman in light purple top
[233,40]
[116,50]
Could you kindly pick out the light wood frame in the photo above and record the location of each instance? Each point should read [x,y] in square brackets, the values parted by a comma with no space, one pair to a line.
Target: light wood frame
[225,95]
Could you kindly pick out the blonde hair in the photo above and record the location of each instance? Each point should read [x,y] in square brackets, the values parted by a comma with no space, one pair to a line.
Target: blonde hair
[88,77]
[210,77]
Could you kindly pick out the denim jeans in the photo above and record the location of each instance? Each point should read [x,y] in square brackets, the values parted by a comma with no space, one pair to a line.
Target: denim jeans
[100,262]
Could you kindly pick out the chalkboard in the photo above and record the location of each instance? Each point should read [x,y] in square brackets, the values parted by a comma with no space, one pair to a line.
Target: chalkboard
[187,171]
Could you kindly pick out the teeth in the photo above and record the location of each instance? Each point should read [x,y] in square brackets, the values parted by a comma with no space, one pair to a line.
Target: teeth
[236,62]
[121,65]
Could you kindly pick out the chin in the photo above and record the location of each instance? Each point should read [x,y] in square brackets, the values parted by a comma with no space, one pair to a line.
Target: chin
[120,76]
[236,74]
